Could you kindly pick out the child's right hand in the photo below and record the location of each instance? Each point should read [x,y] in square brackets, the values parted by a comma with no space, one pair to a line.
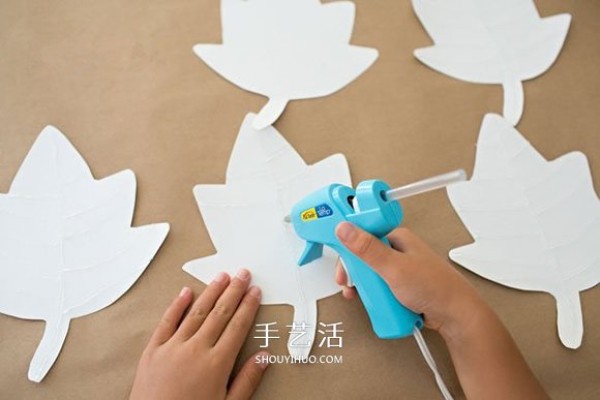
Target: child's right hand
[418,277]
[486,359]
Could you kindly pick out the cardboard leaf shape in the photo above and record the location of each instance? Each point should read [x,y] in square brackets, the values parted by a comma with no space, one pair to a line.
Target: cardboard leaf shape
[67,248]
[536,223]
[492,42]
[286,49]
[265,178]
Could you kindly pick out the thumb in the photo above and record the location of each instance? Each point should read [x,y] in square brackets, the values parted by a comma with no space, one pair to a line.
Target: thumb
[249,377]
[383,259]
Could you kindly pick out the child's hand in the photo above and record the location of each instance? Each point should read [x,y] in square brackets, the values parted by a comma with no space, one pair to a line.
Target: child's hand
[192,356]
[486,359]
[418,277]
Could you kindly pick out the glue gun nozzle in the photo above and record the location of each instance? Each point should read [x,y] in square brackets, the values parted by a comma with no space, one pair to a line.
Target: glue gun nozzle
[287,219]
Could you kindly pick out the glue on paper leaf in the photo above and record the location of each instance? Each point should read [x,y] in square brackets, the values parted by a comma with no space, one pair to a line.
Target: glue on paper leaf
[245,219]
[536,223]
[286,49]
[493,42]
[67,248]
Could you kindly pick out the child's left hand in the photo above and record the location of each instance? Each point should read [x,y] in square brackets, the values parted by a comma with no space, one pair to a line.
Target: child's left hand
[192,356]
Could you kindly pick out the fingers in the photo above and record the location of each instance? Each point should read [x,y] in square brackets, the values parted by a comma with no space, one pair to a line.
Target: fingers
[340,274]
[224,308]
[202,307]
[403,240]
[370,249]
[341,278]
[349,293]
[237,329]
[249,377]
[170,320]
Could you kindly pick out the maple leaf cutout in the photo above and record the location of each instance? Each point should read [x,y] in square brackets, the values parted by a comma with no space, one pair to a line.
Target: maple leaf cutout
[491,42]
[286,49]
[536,224]
[67,248]
[265,178]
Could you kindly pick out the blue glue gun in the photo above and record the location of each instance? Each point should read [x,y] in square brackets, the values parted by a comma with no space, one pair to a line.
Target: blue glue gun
[373,207]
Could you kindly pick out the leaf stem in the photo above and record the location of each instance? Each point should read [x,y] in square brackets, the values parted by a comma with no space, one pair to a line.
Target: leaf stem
[270,112]
[514,100]
[47,351]
[305,319]
[569,318]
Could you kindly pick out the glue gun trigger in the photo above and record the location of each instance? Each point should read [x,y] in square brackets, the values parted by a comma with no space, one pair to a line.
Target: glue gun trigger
[311,252]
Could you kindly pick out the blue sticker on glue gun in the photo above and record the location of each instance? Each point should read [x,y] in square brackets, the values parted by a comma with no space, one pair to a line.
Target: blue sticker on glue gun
[320,211]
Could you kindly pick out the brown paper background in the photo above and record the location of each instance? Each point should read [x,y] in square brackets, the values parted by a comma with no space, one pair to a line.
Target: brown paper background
[119,78]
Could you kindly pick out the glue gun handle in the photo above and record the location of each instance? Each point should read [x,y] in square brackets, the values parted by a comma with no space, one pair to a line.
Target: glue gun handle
[389,318]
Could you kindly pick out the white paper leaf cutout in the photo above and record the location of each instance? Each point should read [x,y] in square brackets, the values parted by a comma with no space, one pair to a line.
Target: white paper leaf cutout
[265,178]
[492,42]
[536,224]
[67,248]
[286,49]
